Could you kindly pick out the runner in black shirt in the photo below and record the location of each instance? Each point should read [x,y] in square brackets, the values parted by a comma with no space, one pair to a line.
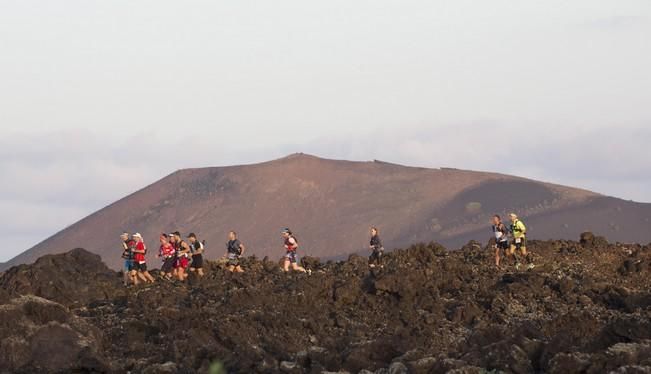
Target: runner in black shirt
[501,233]
[196,248]
[378,250]
[234,251]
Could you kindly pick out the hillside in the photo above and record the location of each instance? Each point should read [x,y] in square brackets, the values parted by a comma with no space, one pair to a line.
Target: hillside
[586,308]
[330,205]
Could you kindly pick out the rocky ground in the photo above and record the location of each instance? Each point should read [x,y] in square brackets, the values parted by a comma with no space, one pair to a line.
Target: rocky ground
[586,308]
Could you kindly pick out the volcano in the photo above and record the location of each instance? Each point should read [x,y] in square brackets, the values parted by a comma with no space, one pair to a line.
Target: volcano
[330,205]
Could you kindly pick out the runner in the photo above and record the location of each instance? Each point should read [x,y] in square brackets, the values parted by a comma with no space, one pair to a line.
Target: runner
[133,274]
[197,249]
[519,232]
[291,245]
[378,250]
[501,239]
[182,261]
[140,259]
[167,254]
[175,262]
[127,255]
[234,251]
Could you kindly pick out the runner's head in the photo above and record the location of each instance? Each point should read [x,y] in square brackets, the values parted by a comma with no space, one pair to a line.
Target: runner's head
[286,233]
[137,237]
[497,219]
[192,237]
[164,239]
[514,217]
[124,236]
[374,231]
[177,236]
[232,235]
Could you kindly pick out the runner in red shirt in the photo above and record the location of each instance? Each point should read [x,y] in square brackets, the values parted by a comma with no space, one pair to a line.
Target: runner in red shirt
[140,261]
[182,257]
[291,258]
[168,255]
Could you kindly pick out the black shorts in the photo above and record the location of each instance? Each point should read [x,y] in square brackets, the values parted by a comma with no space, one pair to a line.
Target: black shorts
[376,256]
[519,243]
[504,245]
[197,262]
[292,257]
[168,265]
[140,267]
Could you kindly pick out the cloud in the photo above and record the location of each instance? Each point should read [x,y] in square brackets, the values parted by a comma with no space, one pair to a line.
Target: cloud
[53,180]
[25,223]
[618,22]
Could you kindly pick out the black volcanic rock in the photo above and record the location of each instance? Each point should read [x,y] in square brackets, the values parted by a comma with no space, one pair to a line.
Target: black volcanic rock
[588,239]
[75,278]
[42,336]
[426,311]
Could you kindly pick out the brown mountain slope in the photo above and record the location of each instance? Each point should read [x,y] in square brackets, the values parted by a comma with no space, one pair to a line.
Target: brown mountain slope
[330,205]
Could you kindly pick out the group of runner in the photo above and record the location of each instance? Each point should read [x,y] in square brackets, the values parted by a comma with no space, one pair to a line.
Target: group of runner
[511,242]
[180,258]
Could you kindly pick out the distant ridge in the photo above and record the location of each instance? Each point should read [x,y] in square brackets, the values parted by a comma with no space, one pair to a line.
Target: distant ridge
[331,203]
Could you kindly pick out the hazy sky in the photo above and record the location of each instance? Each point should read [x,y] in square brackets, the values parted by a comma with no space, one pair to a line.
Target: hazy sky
[99,98]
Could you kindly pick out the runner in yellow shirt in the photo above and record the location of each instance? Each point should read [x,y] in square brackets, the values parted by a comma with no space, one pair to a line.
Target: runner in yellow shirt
[519,243]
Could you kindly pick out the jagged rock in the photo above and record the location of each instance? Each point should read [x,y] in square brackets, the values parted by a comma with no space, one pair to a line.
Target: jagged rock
[569,363]
[39,335]
[347,292]
[398,368]
[166,368]
[289,367]
[75,278]
[323,357]
[588,239]
[474,253]
[422,366]
[468,370]
[426,311]
[633,370]
[311,263]
[465,312]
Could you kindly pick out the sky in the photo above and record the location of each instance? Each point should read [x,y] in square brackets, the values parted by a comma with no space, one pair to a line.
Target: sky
[100,98]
